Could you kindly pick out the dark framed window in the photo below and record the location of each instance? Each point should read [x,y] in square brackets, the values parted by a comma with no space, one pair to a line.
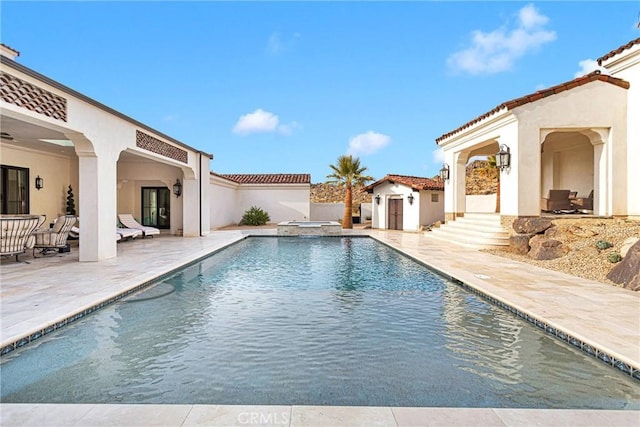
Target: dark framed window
[14,190]
[156,204]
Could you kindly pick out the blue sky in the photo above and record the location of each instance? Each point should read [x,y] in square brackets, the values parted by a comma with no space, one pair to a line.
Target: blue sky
[287,87]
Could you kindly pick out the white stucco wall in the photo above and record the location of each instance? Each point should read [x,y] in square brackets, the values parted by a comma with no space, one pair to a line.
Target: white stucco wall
[626,65]
[222,201]
[430,210]
[481,203]
[326,211]
[283,202]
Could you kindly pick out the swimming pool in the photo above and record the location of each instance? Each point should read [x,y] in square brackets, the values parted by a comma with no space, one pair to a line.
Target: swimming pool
[322,321]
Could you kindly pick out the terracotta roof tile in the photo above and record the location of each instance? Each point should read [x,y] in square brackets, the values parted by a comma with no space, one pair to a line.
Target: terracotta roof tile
[514,103]
[267,178]
[618,50]
[414,182]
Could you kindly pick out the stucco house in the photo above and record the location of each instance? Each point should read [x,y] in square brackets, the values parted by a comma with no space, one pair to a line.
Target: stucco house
[114,163]
[285,197]
[582,135]
[402,202]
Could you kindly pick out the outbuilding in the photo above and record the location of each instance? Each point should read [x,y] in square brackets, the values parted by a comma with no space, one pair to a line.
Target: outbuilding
[402,202]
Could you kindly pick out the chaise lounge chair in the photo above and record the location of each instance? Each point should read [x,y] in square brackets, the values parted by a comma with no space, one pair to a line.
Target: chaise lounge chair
[52,239]
[128,221]
[121,233]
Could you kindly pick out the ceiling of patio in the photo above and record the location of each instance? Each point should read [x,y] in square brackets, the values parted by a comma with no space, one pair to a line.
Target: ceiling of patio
[27,135]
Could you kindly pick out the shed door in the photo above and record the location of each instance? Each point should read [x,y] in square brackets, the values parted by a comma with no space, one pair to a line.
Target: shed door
[395,214]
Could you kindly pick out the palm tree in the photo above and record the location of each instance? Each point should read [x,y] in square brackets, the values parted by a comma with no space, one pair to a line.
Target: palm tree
[348,172]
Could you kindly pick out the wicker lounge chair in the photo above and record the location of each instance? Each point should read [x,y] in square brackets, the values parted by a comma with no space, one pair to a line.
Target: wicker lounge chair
[128,221]
[54,238]
[128,233]
[17,233]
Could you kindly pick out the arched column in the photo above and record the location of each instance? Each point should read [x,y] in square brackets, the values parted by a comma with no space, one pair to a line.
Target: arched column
[97,200]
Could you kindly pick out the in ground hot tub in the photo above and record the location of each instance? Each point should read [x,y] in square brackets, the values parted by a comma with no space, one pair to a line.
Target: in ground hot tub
[309,228]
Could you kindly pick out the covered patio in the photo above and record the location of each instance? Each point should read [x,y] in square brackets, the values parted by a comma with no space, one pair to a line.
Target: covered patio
[108,159]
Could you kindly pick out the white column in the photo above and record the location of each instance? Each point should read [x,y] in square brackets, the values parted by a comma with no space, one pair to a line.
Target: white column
[205,207]
[190,207]
[600,179]
[97,207]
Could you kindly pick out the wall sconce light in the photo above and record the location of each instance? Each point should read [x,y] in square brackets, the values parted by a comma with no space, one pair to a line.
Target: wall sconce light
[410,198]
[503,157]
[177,188]
[39,183]
[377,199]
[444,172]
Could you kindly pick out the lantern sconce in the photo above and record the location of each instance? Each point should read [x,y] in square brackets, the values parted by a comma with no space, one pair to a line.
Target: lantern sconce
[39,183]
[444,172]
[410,198]
[377,199]
[177,188]
[503,157]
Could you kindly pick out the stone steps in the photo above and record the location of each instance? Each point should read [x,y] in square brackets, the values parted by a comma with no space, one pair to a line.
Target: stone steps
[474,230]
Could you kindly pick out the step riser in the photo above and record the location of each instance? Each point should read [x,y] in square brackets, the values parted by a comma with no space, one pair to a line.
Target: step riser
[479,231]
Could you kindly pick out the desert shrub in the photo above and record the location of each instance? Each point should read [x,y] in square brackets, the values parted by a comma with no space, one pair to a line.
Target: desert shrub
[255,216]
[614,257]
[603,244]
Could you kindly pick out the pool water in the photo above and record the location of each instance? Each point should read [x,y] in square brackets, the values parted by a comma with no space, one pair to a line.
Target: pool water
[310,321]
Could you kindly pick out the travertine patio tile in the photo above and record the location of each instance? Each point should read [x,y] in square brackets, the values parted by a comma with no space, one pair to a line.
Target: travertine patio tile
[568,417]
[238,415]
[25,415]
[446,417]
[135,415]
[332,416]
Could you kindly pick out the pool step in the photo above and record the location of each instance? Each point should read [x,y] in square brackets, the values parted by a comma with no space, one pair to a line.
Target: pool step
[474,230]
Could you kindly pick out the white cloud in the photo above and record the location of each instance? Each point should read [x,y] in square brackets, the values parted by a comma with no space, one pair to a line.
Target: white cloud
[497,50]
[367,143]
[277,45]
[587,66]
[261,121]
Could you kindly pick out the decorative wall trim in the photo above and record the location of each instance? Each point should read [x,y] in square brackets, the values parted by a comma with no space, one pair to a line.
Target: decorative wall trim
[26,95]
[154,145]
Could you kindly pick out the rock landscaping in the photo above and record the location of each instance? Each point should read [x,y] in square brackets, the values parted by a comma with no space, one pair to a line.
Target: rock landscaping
[572,246]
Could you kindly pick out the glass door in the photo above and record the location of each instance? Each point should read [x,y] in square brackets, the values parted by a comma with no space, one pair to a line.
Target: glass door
[156,202]
[14,190]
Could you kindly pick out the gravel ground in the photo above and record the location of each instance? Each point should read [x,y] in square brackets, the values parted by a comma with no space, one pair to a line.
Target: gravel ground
[584,259]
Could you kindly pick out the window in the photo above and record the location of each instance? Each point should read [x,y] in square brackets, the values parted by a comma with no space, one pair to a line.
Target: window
[435,197]
[14,190]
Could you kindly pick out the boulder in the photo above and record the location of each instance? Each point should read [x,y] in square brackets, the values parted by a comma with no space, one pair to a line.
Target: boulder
[581,232]
[519,243]
[543,248]
[532,225]
[627,272]
[626,245]
[554,232]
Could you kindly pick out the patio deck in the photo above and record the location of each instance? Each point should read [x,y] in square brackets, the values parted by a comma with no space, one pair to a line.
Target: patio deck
[38,294]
